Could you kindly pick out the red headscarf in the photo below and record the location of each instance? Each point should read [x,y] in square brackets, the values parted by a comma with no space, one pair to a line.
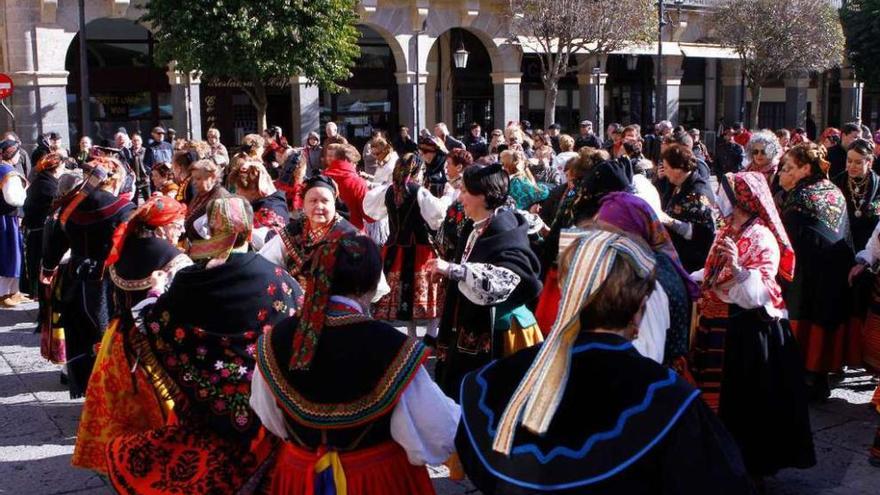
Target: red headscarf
[156,212]
[752,194]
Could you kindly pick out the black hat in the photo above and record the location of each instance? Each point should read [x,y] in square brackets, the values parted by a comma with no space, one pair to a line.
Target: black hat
[555,126]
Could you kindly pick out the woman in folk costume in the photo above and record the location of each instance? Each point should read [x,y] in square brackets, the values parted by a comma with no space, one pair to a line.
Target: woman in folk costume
[42,192]
[669,306]
[524,190]
[251,181]
[815,218]
[349,394]
[206,176]
[121,398]
[181,166]
[89,216]
[385,159]
[527,428]
[492,277]
[866,269]
[449,233]
[52,346]
[12,196]
[199,342]
[746,360]
[414,214]
[591,176]
[318,222]
[687,211]
[763,153]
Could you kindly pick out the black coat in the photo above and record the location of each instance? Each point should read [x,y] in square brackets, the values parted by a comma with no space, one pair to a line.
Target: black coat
[675,444]
[729,157]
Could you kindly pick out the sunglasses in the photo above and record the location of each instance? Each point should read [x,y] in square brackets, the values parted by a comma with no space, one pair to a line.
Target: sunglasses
[759,152]
[426,150]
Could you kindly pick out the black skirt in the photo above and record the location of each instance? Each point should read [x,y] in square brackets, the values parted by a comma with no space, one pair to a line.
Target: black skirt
[763,399]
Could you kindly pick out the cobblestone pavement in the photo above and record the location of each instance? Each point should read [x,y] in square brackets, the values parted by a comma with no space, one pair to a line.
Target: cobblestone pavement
[38,426]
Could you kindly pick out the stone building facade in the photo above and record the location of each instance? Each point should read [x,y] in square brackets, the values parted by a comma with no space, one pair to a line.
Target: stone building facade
[405,77]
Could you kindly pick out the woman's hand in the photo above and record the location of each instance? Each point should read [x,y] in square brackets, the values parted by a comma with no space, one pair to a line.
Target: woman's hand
[437,266]
[664,218]
[158,281]
[730,252]
[855,272]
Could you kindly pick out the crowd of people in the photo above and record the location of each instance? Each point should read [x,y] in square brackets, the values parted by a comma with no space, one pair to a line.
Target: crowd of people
[634,314]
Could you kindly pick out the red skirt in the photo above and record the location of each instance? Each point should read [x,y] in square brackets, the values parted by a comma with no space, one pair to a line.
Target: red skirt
[548,304]
[383,469]
[828,350]
[183,460]
[420,301]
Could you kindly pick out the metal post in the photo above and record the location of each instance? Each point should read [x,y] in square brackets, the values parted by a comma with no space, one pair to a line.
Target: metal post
[85,121]
[661,22]
[742,95]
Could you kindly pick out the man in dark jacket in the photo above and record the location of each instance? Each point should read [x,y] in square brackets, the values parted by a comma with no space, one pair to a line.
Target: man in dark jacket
[475,143]
[837,153]
[47,142]
[158,151]
[729,156]
[587,137]
[449,141]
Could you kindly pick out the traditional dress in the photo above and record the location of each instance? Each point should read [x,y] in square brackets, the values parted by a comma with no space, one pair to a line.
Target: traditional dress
[669,305]
[85,226]
[746,360]
[365,404]
[816,221]
[382,176]
[414,214]
[270,216]
[37,207]
[12,197]
[525,193]
[121,398]
[197,207]
[200,338]
[294,246]
[580,201]
[690,204]
[870,256]
[647,432]
[494,276]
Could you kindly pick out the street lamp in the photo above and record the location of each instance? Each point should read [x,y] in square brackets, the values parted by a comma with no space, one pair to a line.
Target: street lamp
[461,56]
[662,21]
[597,73]
[417,99]
[632,62]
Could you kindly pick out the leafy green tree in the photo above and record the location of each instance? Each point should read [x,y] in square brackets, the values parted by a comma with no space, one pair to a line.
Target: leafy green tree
[257,44]
[862,30]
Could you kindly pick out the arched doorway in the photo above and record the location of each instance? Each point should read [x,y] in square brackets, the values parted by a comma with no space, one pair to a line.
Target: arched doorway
[460,96]
[371,100]
[126,86]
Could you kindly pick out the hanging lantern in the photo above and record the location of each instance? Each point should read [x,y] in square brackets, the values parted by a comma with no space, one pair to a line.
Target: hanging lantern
[461,57]
[632,61]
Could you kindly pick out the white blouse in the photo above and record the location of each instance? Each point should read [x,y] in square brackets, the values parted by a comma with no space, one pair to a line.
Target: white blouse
[423,422]
[433,209]
[14,190]
[651,341]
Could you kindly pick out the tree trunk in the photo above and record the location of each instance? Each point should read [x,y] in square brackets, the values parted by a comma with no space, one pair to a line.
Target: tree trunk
[551,91]
[257,94]
[755,90]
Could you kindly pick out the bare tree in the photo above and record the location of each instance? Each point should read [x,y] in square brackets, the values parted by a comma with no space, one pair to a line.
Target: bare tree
[774,38]
[559,29]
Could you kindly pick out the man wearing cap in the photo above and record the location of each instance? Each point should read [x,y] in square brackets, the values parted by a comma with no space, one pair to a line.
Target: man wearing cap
[12,196]
[587,137]
[475,143]
[158,151]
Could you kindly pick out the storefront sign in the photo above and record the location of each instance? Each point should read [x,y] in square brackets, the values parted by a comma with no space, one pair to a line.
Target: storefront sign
[6,86]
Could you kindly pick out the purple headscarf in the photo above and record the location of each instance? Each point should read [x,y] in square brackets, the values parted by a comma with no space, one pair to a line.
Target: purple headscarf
[632,214]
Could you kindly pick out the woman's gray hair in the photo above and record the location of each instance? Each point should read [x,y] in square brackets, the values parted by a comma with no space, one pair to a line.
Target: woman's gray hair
[770,142]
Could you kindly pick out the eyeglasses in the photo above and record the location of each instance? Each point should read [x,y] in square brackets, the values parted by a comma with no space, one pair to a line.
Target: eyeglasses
[759,152]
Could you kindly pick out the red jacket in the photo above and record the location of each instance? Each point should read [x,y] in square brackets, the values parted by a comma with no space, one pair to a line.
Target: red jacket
[352,189]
